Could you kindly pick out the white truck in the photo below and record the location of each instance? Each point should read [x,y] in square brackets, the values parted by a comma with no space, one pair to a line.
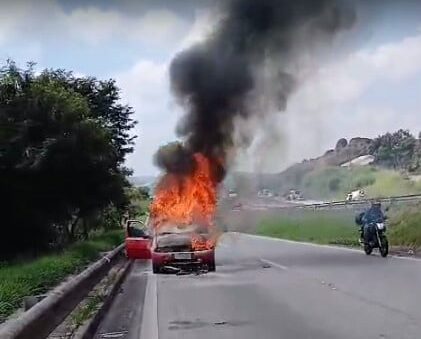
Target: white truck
[294,195]
[355,195]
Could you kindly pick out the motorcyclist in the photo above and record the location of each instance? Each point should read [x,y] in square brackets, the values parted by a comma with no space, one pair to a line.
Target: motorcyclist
[373,215]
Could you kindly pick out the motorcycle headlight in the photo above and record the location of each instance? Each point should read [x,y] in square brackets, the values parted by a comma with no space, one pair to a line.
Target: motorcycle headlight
[380,226]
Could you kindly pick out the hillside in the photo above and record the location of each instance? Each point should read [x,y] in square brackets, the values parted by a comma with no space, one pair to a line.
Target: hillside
[395,159]
[294,176]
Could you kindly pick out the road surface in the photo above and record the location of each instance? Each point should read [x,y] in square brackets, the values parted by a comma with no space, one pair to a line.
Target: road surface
[270,289]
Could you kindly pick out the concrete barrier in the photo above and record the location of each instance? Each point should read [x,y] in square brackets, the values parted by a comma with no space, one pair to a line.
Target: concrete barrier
[44,317]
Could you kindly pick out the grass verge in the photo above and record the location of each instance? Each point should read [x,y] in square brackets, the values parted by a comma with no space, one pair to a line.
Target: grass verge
[337,227]
[23,279]
[405,227]
[319,227]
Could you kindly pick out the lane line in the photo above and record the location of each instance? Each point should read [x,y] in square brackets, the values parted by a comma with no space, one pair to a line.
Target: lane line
[262,237]
[269,262]
[149,329]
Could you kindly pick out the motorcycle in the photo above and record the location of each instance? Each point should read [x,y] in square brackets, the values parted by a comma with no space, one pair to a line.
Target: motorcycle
[375,237]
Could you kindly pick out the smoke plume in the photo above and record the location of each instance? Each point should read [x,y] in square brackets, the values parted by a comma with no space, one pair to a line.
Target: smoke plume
[243,71]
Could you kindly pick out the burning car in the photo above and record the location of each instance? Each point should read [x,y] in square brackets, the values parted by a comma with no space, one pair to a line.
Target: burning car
[186,248]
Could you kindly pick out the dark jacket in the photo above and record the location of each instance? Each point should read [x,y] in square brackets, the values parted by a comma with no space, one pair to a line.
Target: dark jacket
[373,214]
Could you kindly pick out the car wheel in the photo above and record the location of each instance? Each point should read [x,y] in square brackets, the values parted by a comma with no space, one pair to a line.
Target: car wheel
[156,268]
[211,266]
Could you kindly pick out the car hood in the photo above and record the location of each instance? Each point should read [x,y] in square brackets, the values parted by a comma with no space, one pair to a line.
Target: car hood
[168,240]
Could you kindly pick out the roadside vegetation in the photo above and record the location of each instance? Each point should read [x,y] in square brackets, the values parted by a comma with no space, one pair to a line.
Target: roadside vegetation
[20,279]
[318,227]
[405,227]
[63,142]
[395,167]
[139,202]
[333,183]
[338,227]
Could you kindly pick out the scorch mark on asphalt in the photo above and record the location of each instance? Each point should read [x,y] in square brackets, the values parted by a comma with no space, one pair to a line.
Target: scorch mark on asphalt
[271,263]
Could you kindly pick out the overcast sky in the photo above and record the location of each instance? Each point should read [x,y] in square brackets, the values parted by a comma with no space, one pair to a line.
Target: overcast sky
[371,88]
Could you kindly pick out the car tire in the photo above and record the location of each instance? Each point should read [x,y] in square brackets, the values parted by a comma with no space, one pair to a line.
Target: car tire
[211,266]
[156,268]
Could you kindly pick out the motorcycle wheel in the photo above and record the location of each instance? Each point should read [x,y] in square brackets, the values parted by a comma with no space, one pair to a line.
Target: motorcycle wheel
[368,249]
[384,248]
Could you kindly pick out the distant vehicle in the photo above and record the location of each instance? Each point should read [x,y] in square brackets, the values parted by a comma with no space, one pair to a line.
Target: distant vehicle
[138,240]
[265,193]
[232,194]
[174,247]
[355,195]
[294,195]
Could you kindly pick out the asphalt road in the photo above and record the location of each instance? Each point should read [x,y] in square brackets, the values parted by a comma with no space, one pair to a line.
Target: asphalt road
[266,288]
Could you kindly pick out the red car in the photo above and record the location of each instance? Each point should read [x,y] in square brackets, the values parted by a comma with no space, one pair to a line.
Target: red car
[173,247]
[138,240]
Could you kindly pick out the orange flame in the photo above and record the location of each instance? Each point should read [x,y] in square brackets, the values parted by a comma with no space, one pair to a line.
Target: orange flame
[184,200]
[200,244]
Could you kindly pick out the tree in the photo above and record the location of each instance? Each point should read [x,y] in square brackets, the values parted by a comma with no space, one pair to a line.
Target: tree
[416,157]
[61,155]
[394,149]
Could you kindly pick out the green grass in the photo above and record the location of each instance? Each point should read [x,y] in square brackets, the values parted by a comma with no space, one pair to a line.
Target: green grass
[337,227]
[390,183]
[405,227]
[88,310]
[18,280]
[319,227]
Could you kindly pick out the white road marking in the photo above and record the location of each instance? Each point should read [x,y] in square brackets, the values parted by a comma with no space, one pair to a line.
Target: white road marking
[149,329]
[318,245]
[269,262]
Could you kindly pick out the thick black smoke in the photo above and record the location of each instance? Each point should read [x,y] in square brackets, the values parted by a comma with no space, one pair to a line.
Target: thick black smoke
[215,80]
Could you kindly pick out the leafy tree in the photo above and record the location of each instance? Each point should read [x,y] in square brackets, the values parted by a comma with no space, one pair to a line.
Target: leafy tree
[62,145]
[144,192]
[394,149]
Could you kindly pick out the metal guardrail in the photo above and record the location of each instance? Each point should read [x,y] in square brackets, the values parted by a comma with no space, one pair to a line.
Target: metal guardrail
[39,321]
[332,204]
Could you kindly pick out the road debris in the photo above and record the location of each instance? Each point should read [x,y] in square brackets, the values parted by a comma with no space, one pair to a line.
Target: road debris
[170,269]
[113,334]
[183,272]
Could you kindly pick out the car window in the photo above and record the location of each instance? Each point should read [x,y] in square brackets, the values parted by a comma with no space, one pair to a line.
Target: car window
[137,230]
